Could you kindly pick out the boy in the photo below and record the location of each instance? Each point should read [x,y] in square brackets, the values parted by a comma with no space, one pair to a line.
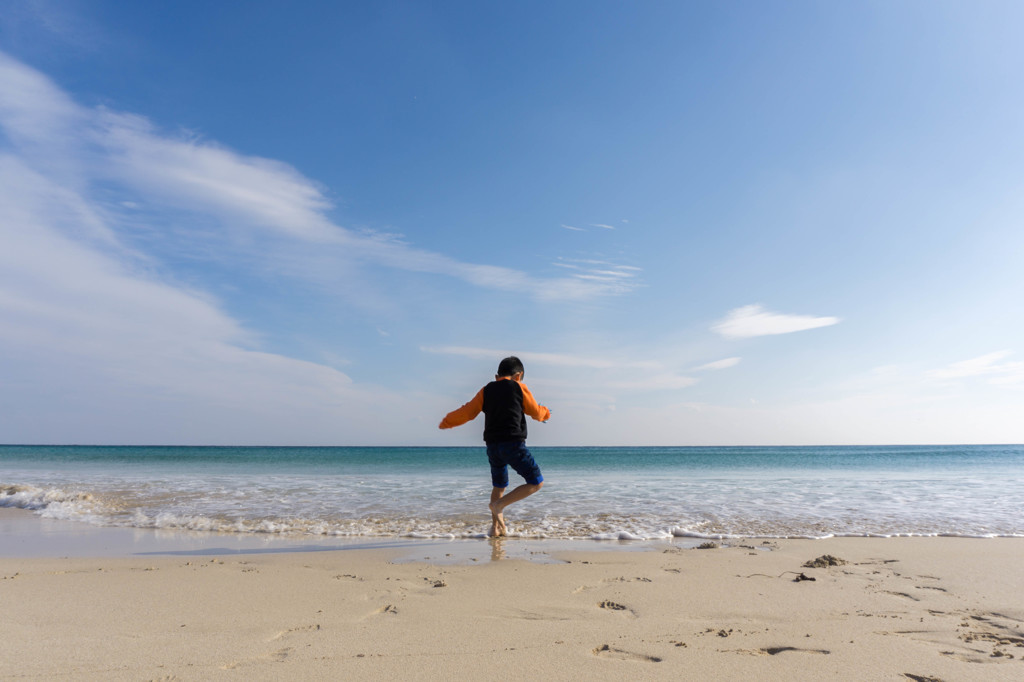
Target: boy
[505,403]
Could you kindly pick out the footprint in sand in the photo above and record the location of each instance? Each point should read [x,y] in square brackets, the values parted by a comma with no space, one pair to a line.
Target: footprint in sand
[606,651]
[776,650]
[979,637]
[550,614]
[278,656]
[302,628]
[900,594]
[609,605]
[994,630]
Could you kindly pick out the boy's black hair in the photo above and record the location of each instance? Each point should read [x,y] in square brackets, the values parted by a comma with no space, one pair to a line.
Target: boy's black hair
[509,366]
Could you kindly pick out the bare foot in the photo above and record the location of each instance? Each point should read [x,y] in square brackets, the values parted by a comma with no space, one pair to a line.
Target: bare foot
[498,529]
[497,521]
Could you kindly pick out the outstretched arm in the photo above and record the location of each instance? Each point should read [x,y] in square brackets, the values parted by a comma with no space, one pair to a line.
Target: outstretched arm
[466,413]
[531,407]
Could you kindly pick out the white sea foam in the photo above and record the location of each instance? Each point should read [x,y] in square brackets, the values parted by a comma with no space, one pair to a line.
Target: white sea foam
[622,535]
[59,503]
[50,502]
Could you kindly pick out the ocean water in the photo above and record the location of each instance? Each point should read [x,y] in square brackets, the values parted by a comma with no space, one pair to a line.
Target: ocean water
[590,493]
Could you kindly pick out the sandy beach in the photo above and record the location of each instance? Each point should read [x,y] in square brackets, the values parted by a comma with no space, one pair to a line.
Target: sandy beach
[888,609]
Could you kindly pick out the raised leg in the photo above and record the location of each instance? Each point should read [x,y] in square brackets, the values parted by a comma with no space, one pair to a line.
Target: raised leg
[499,501]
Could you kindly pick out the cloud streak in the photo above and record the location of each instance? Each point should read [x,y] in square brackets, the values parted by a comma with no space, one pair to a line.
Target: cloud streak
[92,349]
[988,365]
[614,276]
[718,364]
[82,148]
[753,320]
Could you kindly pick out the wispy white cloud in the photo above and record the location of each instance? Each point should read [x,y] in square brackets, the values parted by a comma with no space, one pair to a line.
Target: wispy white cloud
[82,148]
[601,272]
[989,365]
[718,364]
[202,176]
[104,351]
[584,264]
[573,228]
[753,320]
[602,225]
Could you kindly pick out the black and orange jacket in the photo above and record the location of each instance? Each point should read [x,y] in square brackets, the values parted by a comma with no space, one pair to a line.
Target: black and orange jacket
[505,404]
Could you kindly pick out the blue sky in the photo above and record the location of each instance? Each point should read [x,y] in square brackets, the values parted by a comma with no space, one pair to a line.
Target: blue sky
[697,223]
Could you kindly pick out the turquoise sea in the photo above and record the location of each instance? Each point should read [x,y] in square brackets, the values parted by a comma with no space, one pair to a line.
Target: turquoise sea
[590,493]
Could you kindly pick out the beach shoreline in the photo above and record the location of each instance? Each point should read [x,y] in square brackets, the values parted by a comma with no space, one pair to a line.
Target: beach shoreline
[891,608]
[27,535]
[590,493]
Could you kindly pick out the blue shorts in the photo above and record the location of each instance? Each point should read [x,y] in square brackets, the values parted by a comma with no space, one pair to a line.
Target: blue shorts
[515,454]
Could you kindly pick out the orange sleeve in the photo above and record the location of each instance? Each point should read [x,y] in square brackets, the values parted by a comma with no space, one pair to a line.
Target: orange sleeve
[466,413]
[530,406]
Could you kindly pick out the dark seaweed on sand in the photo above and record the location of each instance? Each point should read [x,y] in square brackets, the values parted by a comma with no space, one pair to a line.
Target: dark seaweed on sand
[824,561]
